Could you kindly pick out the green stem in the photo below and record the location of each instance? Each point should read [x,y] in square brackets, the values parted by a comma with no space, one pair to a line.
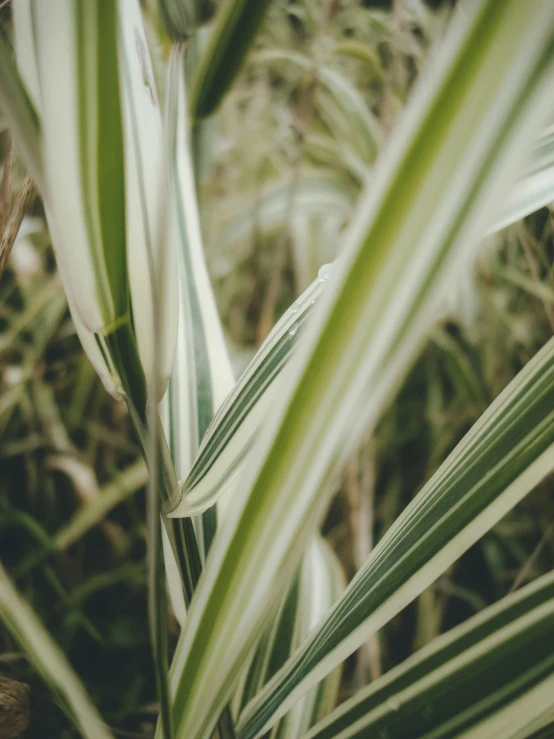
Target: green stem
[124,353]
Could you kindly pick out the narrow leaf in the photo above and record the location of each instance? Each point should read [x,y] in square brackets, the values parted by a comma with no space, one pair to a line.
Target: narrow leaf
[507,452]
[236,25]
[317,585]
[151,253]
[231,433]
[49,660]
[471,674]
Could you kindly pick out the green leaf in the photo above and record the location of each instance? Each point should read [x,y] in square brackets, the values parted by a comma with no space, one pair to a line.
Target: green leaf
[236,25]
[506,453]
[84,181]
[438,188]
[536,188]
[469,678]
[314,589]
[231,434]
[202,374]
[88,71]
[49,660]
[151,254]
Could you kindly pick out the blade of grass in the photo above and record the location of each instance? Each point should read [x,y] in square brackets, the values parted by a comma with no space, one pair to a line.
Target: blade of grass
[236,25]
[507,452]
[49,660]
[470,674]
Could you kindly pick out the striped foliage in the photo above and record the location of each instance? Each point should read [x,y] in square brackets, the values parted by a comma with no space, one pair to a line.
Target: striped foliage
[443,177]
[312,592]
[101,175]
[231,433]
[266,620]
[506,453]
[236,24]
[202,374]
[201,378]
[467,681]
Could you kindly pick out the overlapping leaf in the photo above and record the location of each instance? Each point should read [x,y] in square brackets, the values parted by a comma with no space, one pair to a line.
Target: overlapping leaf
[467,679]
[312,592]
[439,187]
[508,451]
[231,433]
[202,374]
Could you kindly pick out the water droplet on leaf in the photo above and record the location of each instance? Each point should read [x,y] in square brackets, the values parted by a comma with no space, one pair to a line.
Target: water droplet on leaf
[325,272]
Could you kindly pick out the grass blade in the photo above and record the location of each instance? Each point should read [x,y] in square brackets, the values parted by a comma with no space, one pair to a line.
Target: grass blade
[236,25]
[151,257]
[232,432]
[49,660]
[316,587]
[468,676]
[508,451]
[230,436]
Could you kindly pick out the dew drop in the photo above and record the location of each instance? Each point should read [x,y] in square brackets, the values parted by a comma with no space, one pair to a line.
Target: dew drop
[293,330]
[325,272]
[295,307]
[394,703]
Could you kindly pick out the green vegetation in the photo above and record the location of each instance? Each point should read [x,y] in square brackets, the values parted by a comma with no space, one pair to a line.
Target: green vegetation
[331,230]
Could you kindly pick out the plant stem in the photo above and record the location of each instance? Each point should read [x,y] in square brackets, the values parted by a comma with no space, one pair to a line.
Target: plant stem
[124,352]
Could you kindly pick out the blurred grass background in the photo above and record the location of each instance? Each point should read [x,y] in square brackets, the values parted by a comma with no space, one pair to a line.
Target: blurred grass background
[279,171]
